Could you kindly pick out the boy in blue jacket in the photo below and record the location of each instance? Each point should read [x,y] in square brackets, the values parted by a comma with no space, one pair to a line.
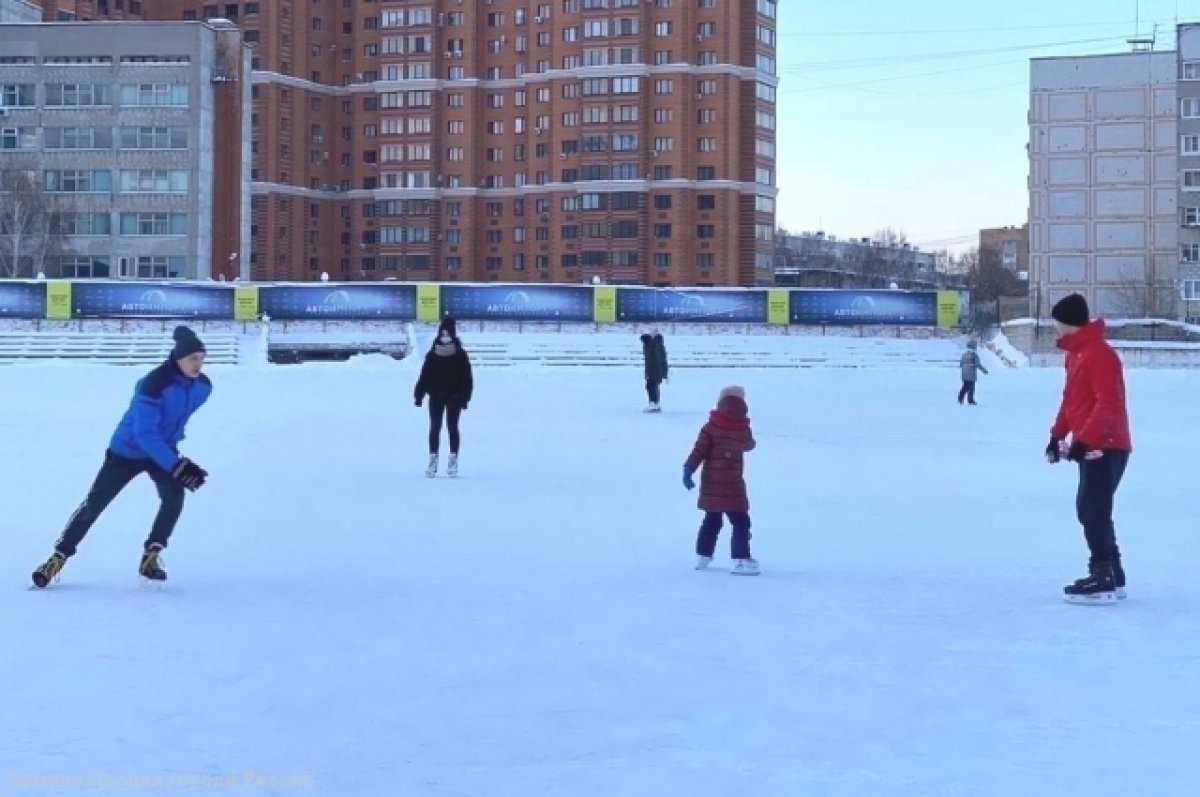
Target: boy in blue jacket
[146,441]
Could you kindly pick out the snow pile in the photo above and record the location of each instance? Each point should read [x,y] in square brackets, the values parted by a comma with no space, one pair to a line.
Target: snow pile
[1007,353]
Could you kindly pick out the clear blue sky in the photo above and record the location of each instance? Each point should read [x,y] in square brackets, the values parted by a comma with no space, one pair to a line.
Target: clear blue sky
[884,121]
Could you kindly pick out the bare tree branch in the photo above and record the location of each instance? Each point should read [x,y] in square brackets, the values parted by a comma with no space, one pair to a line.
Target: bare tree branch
[28,236]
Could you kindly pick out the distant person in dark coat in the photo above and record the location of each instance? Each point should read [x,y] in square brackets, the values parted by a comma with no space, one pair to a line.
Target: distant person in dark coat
[654,354]
[970,366]
[446,379]
[720,449]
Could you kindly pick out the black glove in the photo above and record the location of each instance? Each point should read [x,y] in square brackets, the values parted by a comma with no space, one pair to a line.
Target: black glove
[464,406]
[418,401]
[1053,451]
[189,474]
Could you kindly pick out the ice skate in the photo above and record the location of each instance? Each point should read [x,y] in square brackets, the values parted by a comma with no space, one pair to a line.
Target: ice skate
[1118,581]
[745,567]
[452,466]
[702,562]
[1099,587]
[49,570]
[654,406]
[151,567]
[432,469]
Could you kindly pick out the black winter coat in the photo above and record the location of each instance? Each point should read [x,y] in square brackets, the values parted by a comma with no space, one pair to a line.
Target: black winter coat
[655,353]
[446,377]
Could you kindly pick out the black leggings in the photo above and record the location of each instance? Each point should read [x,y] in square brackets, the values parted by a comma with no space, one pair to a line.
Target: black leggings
[438,409]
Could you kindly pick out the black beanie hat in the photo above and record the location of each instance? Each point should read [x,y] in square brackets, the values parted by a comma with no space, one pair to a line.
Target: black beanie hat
[186,343]
[448,325]
[1071,310]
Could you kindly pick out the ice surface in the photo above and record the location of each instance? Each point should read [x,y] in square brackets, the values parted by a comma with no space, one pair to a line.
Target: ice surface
[337,624]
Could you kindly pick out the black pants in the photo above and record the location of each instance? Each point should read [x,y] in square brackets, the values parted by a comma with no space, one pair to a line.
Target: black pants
[652,390]
[706,540]
[437,410]
[1098,482]
[115,475]
[967,392]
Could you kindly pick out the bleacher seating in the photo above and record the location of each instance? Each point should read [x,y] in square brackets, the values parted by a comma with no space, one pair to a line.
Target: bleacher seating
[124,348]
[711,351]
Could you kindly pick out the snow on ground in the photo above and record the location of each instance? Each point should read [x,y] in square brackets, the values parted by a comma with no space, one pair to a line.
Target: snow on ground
[336,624]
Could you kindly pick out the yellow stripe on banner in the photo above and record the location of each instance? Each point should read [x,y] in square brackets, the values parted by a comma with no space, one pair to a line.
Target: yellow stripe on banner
[429,303]
[604,308]
[779,307]
[58,301]
[245,303]
[947,309]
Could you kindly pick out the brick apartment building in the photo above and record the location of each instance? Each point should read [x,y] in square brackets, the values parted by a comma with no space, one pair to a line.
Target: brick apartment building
[509,140]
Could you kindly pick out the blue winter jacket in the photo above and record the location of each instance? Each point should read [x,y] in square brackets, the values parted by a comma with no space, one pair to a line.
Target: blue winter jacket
[153,426]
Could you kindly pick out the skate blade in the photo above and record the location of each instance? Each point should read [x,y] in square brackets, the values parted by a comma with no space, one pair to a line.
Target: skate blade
[150,584]
[1101,599]
[1122,594]
[745,573]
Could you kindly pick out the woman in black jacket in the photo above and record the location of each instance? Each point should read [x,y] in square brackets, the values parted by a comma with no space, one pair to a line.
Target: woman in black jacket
[446,379]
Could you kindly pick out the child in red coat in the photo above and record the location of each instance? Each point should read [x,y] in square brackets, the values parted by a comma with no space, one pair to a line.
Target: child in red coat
[720,448]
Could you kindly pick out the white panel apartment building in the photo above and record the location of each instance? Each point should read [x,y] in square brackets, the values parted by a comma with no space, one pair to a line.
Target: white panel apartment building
[1104,183]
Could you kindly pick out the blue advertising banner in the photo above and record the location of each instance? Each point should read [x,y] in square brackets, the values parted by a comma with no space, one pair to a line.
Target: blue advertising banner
[22,299]
[703,306]
[386,301]
[150,300]
[851,307]
[518,302]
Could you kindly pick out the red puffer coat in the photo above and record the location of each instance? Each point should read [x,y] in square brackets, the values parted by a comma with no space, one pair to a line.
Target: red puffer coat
[1093,404]
[720,448]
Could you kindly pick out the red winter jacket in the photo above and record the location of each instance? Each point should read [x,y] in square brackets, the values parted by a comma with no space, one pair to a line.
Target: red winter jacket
[720,446]
[1093,404]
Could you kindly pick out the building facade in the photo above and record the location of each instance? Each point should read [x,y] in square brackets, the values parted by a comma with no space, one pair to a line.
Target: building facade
[516,140]
[817,260]
[1010,245]
[133,135]
[1104,183]
[19,11]
[1188,90]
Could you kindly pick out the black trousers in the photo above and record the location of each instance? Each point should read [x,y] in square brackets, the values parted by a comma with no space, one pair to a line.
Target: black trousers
[967,392]
[652,390]
[438,410]
[1098,482]
[115,475]
[710,528]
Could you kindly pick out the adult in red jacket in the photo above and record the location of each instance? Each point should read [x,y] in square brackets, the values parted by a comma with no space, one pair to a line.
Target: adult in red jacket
[1094,416]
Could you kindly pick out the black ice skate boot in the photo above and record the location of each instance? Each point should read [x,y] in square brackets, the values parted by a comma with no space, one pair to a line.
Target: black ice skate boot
[151,567]
[49,570]
[1098,587]
[1118,577]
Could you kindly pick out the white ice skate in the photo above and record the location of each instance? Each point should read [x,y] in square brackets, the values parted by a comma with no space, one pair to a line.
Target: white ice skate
[702,562]
[653,407]
[452,466]
[745,567]
[432,470]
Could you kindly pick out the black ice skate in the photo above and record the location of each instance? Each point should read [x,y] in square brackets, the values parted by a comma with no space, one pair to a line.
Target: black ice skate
[1118,580]
[49,570]
[1098,587]
[151,567]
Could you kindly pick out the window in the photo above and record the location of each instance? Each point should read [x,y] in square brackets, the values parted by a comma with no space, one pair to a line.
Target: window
[154,181]
[664,86]
[81,223]
[767,8]
[78,138]
[766,149]
[78,182]
[161,267]
[154,94]
[662,230]
[765,64]
[71,95]
[1189,145]
[1190,253]
[663,28]
[705,260]
[765,120]
[154,138]
[625,85]
[765,92]
[766,35]
[154,224]
[706,173]
[707,58]
[664,144]
[17,95]
[764,176]
[1191,179]
[1191,70]
[662,202]
[1189,108]
[764,204]
[706,30]
[706,87]
[83,267]
[707,144]
[706,116]
[706,202]
[1191,217]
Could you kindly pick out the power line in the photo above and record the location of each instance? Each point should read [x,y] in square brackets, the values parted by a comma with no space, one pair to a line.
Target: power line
[864,63]
[931,31]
